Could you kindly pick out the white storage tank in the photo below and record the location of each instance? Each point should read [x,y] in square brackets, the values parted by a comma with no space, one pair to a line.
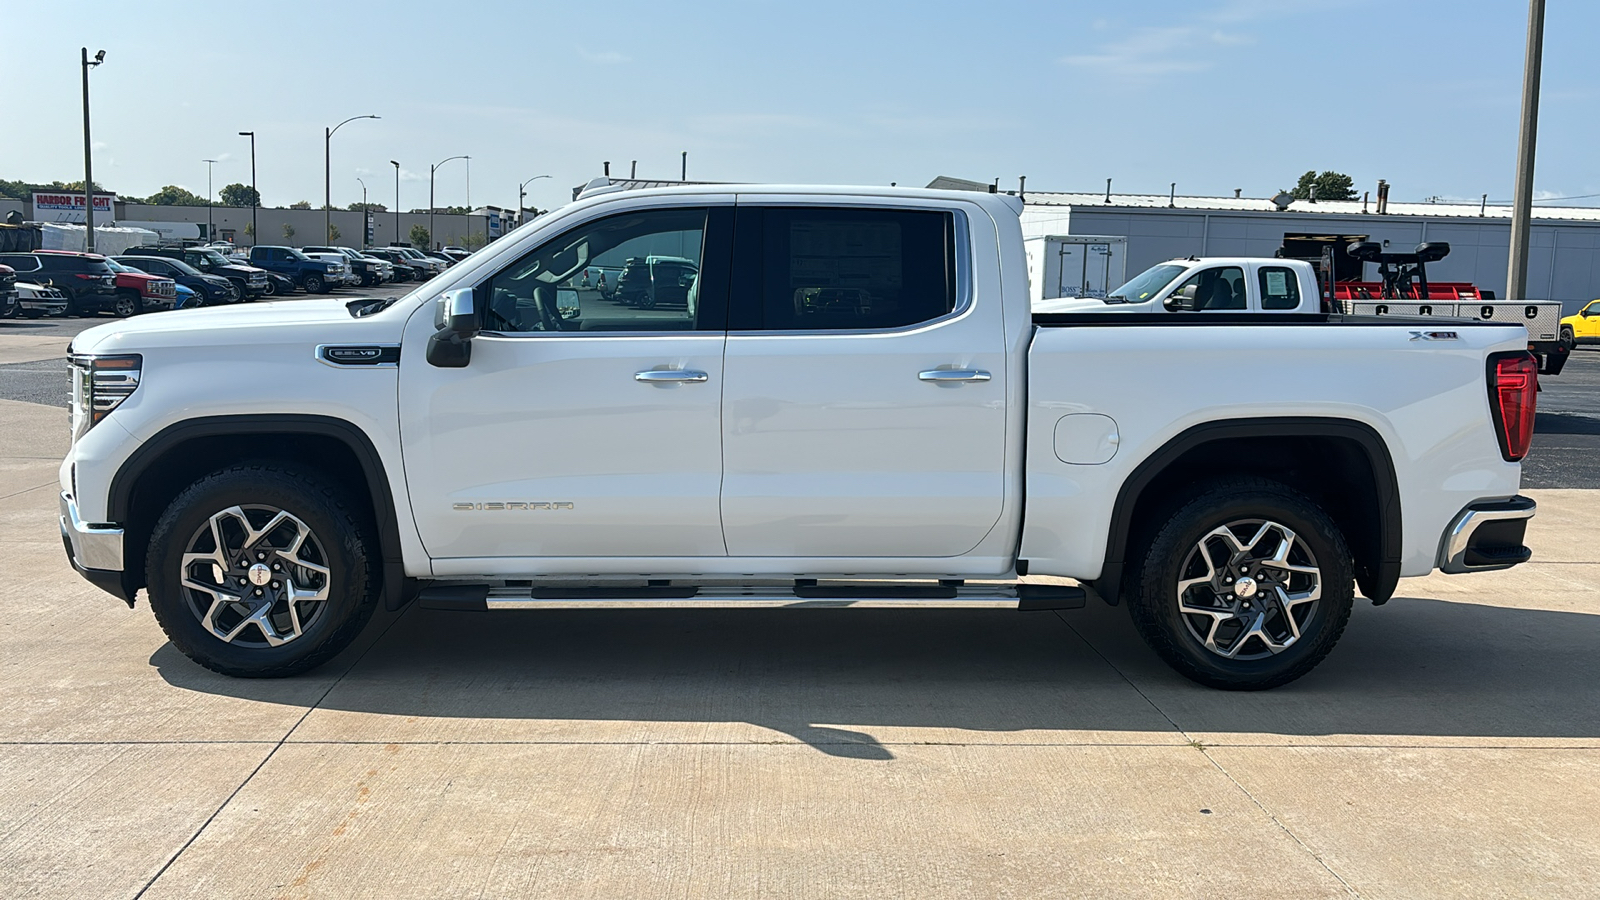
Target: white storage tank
[1075,265]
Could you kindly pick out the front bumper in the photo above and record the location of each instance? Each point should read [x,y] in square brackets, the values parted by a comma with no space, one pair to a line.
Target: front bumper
[1486,536]
[50,307]
[94,550]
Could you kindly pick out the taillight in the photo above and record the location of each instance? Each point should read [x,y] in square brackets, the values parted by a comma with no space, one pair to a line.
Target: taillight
[1513,393]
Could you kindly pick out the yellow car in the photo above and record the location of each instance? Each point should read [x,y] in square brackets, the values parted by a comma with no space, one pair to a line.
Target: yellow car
[1583,328]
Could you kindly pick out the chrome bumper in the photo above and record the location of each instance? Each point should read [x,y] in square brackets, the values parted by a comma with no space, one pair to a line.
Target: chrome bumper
[90,546]
[1487,535]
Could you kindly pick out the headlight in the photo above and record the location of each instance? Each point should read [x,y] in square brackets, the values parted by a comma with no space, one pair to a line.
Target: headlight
[99,385]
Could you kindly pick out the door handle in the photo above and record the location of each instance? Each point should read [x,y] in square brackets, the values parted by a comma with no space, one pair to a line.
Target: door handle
[671,376]
[953,376]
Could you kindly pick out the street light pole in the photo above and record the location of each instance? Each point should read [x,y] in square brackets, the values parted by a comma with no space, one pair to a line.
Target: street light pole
[327,174]
[211,230]
[522,193]
[1522,204]
[88,168]
[255,196]
[366,215]
[432,169]
[396,200]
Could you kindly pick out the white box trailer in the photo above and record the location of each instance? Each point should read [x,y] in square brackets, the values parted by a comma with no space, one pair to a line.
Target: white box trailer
[1075,265]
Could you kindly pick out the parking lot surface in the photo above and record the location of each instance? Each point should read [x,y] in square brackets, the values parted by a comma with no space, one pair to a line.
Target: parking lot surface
[1450,746]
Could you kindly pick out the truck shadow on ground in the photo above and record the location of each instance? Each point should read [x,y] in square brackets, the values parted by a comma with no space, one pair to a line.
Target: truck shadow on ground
[830,678]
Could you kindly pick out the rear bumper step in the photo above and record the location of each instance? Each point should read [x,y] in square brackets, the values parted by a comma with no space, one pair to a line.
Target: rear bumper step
[1028,597]
[1487,535]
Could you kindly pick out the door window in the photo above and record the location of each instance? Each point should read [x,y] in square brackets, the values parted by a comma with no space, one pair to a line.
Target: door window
[640,271]
[1216,288]
[1280,289]
[804,269]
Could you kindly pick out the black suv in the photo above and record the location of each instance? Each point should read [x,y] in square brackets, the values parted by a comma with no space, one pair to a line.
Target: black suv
[363,267]
[251,281]
[214,290]
[88,282]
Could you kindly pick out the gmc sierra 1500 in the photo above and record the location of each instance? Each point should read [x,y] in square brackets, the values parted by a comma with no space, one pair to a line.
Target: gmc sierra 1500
[848,398]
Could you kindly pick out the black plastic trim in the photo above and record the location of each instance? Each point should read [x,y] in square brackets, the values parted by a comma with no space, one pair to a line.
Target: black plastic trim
[395,584]
[1378,586]
[1180,319]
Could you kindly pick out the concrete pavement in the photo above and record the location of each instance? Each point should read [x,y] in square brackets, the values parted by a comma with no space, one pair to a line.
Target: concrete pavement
[1450,747]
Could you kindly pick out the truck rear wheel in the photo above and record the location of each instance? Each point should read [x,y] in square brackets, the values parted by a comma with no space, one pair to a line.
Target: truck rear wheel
[261,571]
[1247,586]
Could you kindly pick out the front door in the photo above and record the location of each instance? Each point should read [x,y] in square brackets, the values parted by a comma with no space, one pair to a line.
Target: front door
[864,404]
[582,426]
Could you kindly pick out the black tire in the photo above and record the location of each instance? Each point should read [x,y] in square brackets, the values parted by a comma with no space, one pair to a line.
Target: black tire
[1243,503]
[342,537]
[647,300]
[126,306]
[314,284]
[1568,339]
[237,295]
[271,289]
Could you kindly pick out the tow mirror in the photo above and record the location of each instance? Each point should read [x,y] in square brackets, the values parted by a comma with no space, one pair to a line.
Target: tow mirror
[1185,299]
[458,323]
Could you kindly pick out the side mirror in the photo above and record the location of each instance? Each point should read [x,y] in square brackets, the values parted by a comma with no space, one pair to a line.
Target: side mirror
[458,323]
[568,305]
[1185,299]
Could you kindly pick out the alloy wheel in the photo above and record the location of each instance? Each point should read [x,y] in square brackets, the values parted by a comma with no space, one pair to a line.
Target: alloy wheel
[1247,589]
[255,576]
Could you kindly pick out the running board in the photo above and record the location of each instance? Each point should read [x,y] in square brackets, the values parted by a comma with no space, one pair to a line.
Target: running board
[804,595]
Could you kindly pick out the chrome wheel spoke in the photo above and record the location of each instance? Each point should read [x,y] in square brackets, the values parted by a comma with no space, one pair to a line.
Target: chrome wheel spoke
[248,570]
[1254,603]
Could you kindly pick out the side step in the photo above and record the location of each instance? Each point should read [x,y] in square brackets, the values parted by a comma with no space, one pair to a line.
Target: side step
[803,595]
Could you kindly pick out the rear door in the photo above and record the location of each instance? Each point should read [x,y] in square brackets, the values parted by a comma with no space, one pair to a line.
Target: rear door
[864,409]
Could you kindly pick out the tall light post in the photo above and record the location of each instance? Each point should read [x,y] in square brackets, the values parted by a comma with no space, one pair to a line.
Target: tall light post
[255,196]
[211,230]
[521,192]
[327,175]
[1522,204]
[396,200]
[88,168]
[432,169]
[366,215]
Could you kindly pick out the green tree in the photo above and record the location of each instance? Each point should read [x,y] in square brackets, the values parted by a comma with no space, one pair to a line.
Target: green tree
[240,195]
[250,230]
[473,241]
[288,232]
[1330,185]
[300,204]
[367,207]
[419,236]
[172,195]
[454,211]
[333,232]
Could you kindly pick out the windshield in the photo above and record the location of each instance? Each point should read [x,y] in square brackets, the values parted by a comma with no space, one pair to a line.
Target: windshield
[211,257]
[297,254]
[183,267]
[118,267]
[1146,284]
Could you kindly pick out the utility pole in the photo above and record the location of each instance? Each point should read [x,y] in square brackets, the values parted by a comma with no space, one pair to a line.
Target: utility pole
[684,175]
[255,196]
[366,215]
[88,168]
[327,176]
[211,230]
[396,200]
[432,169]
[1522,205]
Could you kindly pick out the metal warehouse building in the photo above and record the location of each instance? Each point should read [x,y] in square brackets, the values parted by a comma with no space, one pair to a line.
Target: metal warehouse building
[1563,264]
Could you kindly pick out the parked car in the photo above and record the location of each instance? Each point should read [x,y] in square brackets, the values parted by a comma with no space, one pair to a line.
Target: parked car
[345,277]
[314,276]
[421,261]
[188,298]
[405,268]
[35,300]
[279,285]
[442,257]
[89,284]
[456,253]
[648,281]
[942,442]
[251,281]
[1583,327]
[369,270]
[139,291]
[8,292]
[213,290]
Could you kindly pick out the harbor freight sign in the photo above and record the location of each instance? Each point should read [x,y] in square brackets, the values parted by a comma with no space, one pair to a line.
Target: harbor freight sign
[64,206]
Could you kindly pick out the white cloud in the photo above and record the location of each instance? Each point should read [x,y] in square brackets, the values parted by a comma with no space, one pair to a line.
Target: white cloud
[1154,52]
[604,57]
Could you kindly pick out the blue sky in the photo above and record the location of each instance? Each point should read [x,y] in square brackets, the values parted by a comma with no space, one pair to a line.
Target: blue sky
[1212,94]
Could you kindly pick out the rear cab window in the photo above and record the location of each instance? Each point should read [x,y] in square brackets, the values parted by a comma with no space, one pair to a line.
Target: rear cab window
[1280,288]
[833,269]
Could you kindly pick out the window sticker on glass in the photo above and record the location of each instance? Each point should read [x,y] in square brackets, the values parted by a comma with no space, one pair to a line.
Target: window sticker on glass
[1277,282]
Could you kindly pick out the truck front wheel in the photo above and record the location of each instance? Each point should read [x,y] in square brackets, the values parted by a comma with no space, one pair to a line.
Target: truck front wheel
[260,571]
[1247,586]
[314,284]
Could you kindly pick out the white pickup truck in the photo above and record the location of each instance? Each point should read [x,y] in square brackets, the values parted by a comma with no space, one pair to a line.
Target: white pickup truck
[1206,284]
[840,396]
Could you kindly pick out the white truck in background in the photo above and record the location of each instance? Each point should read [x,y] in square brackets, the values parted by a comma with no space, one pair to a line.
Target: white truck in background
[853,403]
[1075,265]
